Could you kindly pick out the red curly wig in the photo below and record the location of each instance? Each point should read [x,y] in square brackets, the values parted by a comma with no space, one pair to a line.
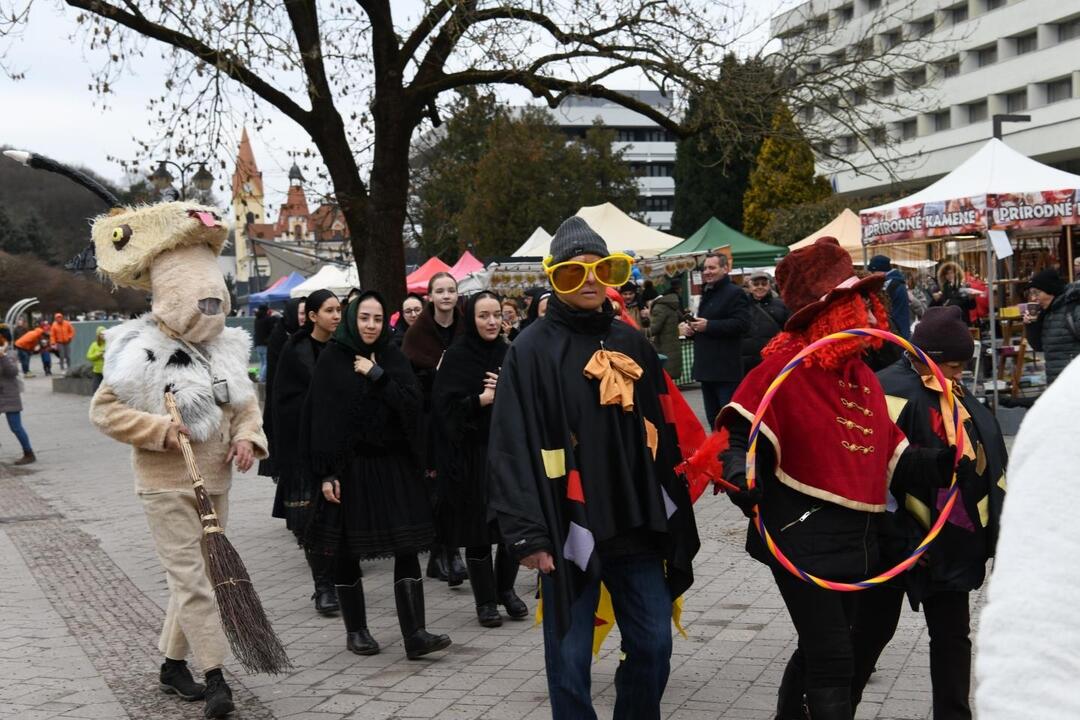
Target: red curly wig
[843,314]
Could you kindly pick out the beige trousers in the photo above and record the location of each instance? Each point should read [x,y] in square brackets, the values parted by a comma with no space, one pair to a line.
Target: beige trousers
[191,620]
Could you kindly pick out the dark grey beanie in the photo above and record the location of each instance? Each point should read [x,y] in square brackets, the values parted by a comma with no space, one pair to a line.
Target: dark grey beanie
[575,237]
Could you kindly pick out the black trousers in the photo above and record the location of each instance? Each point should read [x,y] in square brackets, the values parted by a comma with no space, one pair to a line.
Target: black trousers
[823,620]
[715,395]
[948,620]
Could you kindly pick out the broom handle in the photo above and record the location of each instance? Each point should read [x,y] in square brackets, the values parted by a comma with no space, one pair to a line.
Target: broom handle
[206,507]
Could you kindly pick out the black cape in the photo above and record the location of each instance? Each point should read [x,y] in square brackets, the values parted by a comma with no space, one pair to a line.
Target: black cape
[957,559]
[569,475]
[460,432]
[281,333]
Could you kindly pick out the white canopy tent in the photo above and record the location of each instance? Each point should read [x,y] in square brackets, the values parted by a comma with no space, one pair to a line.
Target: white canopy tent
[625,234]
[536,246]
[847,229]
[338,280]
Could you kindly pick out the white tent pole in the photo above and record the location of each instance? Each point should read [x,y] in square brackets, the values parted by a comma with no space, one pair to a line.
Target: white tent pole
[992,277]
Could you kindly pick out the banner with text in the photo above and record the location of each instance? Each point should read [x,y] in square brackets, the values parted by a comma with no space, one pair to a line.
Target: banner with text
[961,216]
[1020,211]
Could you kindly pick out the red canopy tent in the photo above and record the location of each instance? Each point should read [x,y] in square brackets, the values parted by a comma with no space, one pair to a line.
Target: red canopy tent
[417,281]
[466,264]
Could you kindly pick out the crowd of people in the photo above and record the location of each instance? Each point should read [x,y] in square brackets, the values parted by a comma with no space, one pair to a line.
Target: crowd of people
[540,435]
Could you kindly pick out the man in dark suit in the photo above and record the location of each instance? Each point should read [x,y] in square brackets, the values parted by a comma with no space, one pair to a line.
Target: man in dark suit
[722,320]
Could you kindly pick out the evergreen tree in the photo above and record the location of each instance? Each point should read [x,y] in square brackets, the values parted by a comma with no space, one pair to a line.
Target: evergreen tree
[712,167]
[782,176]
[35,239]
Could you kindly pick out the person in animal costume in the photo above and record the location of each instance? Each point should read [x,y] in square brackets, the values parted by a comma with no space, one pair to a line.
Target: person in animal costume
[182,345]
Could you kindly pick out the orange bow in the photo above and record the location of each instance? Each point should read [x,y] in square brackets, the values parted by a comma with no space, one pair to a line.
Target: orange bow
[617,374]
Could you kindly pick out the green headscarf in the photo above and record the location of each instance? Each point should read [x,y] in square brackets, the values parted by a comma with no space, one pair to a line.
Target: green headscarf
[348,334]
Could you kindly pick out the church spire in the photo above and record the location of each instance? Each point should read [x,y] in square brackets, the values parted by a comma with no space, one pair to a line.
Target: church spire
[247,180]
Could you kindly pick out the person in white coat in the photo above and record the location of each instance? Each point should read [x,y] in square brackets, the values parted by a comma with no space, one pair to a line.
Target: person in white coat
[1028,646]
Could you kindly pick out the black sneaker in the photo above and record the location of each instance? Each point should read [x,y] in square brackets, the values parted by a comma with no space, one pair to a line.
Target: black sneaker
[176,679]
[219,701]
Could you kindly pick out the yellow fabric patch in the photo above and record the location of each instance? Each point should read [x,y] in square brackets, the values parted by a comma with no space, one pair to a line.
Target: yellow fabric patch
[1001,481]
[605,613]
[984,511]
[652,438]
[554,462]
[896,406]
[918,509]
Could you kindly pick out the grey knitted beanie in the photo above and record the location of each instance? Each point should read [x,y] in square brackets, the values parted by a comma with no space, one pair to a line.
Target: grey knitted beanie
[575,237]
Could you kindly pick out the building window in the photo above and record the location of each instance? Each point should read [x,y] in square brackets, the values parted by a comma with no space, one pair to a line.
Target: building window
[1026,43]
[814,66]
[942,120]
[624,135]
[986,55]
[1069,30]
[957,13]
[1058,90]
[909,129]
[1016,101]
[836,58]
[663,203]
[923,27]
[863,49]
[890,39]
[820,23]
[977,112]
[806,113]
[995,4]
[915,78]
[858,97]
[886,87]
[872,5]
[846,144]
[845,14]
[949,67]
[878,136]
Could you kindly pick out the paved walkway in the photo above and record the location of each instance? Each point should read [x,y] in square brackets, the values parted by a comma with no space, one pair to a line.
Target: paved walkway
[82,598]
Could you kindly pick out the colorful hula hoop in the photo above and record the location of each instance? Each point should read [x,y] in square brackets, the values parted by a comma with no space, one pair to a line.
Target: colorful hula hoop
[751,455]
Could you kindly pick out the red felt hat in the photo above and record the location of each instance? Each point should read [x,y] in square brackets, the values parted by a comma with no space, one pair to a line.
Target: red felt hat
[812,277]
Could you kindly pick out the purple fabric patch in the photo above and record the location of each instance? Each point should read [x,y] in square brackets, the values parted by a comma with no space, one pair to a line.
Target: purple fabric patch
[669,504]
[959,515]
[579,546]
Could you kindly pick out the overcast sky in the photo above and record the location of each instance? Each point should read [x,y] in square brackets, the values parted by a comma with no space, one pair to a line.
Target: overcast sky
[54,112]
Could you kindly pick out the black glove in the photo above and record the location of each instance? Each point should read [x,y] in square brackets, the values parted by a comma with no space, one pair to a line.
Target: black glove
[745,499]
[965,469]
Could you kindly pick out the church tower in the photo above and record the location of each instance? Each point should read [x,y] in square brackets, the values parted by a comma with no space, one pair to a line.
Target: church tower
[248,207]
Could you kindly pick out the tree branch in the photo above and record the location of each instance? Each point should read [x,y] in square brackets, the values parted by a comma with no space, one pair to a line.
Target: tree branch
[423,29]
[223,61]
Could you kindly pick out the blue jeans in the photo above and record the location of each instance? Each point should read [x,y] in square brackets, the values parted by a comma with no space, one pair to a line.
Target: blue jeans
[24,360]
[715,395]
[14,421]
[642,604]
[260,350]
[46,361]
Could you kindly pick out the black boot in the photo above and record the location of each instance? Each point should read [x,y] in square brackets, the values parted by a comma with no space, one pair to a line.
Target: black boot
[482,579]
[219,701]
[829,703]
[175,679]
[436,564]
[325,596]
[409,595]
[506,570]
[789,702]
[353,611]
[455,568]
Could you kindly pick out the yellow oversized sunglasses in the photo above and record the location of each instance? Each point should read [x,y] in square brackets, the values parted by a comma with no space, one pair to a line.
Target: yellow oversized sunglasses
[567,277]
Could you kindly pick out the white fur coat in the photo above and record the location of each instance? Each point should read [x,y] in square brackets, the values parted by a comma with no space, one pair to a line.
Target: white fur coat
[141,362]
[1028,649]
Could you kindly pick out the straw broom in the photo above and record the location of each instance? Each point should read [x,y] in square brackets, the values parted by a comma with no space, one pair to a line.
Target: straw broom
[252,639]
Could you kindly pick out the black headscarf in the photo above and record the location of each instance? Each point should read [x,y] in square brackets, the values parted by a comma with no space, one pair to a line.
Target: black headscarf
[348,335]
[533,313]
[279,337]
[290,321]
[402,326]
[348,413]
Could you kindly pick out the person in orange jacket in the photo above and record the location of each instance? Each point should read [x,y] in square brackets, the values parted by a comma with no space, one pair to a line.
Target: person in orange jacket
[63,332]
[37,341]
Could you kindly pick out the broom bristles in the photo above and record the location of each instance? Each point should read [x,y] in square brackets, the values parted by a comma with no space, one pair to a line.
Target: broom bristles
[252,639]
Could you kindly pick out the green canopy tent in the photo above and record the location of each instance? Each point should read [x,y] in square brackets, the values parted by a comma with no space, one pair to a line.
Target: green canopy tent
[745,251]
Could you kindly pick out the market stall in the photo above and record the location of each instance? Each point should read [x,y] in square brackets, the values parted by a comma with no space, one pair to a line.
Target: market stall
[338,280]
[746,252]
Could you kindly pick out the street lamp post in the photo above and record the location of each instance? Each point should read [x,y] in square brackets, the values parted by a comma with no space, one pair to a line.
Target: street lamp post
[162,179]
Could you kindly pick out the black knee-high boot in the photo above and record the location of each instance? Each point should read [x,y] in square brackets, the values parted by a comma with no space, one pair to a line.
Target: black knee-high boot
[506,570]
[482,579]
[325,596]
[829,703]
[789,701]
[409,596]
[436,565]
[354,612]
[455,568]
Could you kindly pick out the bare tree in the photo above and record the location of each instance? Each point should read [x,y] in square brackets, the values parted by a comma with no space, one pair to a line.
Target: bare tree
[360,83]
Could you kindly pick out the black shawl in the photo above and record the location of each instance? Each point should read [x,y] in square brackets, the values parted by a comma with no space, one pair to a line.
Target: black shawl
[347,413]
[957,560]
[296,367]
[458,417]
[568,474]
[278,337]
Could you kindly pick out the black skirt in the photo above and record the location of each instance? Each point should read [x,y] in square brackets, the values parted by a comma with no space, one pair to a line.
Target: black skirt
[293,502]
[462,509]
[384,510]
